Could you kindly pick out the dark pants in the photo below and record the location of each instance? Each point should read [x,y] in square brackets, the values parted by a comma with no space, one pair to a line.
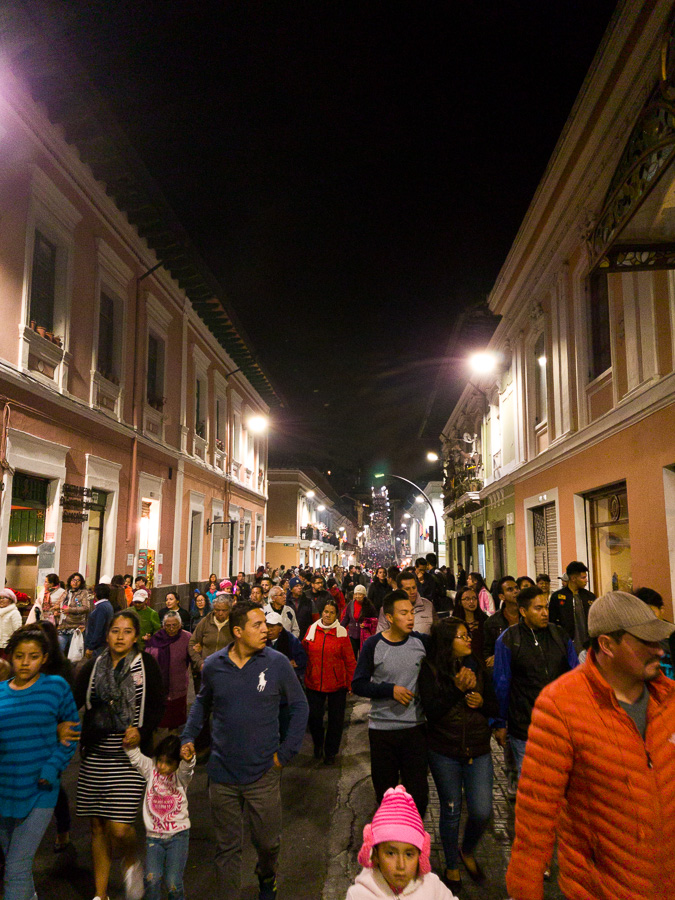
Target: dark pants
[400,755]
[356,645]
[62,812]
[260,802]
[337,701]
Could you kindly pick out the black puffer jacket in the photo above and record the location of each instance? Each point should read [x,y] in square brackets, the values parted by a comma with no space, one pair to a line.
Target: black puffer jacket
[453,728]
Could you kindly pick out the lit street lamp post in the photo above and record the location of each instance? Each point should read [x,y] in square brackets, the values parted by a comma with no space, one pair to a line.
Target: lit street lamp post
[433,511]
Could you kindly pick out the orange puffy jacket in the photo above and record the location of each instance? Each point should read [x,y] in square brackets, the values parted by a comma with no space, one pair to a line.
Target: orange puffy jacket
[608,795]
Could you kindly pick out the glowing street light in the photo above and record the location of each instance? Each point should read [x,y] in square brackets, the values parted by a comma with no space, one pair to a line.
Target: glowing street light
[419,499]
[406,515]
[320,508]
[483,363]
[432,457]
[257,424]
[310,494]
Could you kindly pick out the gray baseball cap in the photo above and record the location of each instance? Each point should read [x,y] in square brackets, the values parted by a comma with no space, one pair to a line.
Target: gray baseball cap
[620,611]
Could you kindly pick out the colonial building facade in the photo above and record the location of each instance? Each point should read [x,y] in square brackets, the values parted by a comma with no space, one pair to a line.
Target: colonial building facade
[134,410]
[304,525]
[566,449]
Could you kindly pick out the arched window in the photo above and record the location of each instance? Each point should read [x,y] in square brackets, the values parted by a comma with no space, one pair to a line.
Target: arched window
[540,391]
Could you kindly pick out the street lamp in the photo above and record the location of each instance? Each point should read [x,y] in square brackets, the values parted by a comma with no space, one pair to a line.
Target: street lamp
[257,424]
[320,508]
[420,500]
[483,363]
[309,494]
[432,457]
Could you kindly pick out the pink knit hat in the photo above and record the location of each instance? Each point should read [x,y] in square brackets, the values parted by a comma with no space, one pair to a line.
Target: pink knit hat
[397,819]
[226,585]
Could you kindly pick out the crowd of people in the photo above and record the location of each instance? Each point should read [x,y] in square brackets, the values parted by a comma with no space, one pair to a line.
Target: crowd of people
[572,688]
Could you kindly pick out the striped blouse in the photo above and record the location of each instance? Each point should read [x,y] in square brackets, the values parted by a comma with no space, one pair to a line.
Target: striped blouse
[29,746]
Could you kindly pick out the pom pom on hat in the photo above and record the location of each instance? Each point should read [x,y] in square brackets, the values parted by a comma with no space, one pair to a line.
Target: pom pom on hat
[397,819]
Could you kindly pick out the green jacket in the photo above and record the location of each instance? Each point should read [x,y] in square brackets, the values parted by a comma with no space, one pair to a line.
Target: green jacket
[149,624]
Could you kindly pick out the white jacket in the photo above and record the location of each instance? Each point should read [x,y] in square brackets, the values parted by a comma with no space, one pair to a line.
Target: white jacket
[288,619]
[10,620]
[165,807]
[370,884]
[57,598]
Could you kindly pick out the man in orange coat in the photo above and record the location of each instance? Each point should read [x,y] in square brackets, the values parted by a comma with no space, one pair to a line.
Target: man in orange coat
[599,768]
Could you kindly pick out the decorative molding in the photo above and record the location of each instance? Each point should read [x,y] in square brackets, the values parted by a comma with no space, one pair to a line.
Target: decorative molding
[57,205]
[158,315]
[202,361]
[113,266]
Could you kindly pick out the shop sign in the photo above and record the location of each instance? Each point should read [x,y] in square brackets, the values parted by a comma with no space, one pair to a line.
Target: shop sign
[75,501]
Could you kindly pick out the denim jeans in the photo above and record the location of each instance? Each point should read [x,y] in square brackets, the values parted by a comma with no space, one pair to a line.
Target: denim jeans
[165,858]
[20,839]
[518,746]
[65,637]
[450,776]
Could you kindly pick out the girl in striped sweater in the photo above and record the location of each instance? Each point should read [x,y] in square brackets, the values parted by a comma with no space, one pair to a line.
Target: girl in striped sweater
[32,705]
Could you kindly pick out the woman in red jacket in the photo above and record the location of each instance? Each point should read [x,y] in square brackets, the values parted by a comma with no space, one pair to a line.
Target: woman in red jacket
[330,669]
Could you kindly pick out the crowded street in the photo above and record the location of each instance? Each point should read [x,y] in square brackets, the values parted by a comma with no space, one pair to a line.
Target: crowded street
[337,450]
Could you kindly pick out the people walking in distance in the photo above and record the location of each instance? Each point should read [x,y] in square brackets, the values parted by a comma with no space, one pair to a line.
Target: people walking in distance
[48,604]
[318,593]
[379,588]
[468,610]
[458,701]
[303,606]
[202,609]
[10,617]
[395,854]
[172,604]
[655,601]
[213,587]
[387,672]
[330,669]
[123,697]
[423,609]
[506,615]
[147,617]
[256,595]
[32,705]
[337,595]
[165,815]
[352,616]
[485,602]
[98,621]
[169,646]
[212,633]
[243,687]
[599,771]
[75,608]
[392,575]
[569,606]
[524,581]
[544,585]
[276,602]
[367,622]
[284,641]
[528,656]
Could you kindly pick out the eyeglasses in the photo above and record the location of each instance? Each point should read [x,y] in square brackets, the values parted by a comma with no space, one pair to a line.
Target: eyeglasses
[462,637]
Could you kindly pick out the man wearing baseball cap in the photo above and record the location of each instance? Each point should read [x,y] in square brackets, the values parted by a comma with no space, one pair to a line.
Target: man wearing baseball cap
[599,769]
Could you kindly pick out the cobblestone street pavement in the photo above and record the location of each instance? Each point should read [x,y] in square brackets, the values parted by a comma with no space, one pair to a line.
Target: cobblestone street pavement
[325,809]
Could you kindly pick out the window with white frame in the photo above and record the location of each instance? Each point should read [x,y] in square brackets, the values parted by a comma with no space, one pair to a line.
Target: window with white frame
[201,393]
[51,223]
[109,333]
[156,368]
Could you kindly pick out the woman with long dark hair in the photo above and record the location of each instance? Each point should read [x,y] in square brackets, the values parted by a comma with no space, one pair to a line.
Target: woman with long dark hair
[379,588]
[485,599]
[467,609]
[458,700]
[123,696]
[75,607]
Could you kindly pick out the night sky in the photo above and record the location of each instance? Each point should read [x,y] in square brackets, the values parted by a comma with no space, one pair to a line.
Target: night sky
[354,173]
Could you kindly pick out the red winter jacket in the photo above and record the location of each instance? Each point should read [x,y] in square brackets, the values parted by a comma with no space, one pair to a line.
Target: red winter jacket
[589,778]
[330,661]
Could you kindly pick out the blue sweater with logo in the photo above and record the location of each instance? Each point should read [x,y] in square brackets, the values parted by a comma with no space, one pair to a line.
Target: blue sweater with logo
[245,714]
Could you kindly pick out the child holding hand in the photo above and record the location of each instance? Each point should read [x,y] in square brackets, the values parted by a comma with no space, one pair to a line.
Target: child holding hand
[395,854]
[165,814]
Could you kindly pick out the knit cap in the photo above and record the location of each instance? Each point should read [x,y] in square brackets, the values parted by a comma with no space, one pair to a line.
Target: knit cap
[360,589]
[226,585]
[397,819]
[292,583]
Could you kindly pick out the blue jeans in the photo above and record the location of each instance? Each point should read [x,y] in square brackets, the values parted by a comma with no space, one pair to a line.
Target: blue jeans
[65,637]
[518,746]
[20,839]
[450,776]
[166,858]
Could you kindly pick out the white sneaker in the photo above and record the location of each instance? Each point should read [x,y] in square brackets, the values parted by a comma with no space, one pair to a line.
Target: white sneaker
[133,882]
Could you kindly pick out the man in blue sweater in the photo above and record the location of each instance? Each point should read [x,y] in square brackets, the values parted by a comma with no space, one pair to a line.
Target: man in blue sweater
[243,686]
[387,672]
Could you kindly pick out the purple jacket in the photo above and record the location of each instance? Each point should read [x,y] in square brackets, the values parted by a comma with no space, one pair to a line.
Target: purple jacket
[179,664]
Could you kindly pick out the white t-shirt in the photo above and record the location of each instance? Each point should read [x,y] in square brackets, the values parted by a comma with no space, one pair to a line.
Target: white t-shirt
[165,807]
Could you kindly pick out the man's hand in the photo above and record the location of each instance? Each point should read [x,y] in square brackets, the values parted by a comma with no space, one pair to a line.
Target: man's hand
[490,662]
[197,648]
[465,680]
[68,732]
[403,695]
[132,737]
[500,736]
[474,700]
[187,751]
[277,764]
[88,654]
